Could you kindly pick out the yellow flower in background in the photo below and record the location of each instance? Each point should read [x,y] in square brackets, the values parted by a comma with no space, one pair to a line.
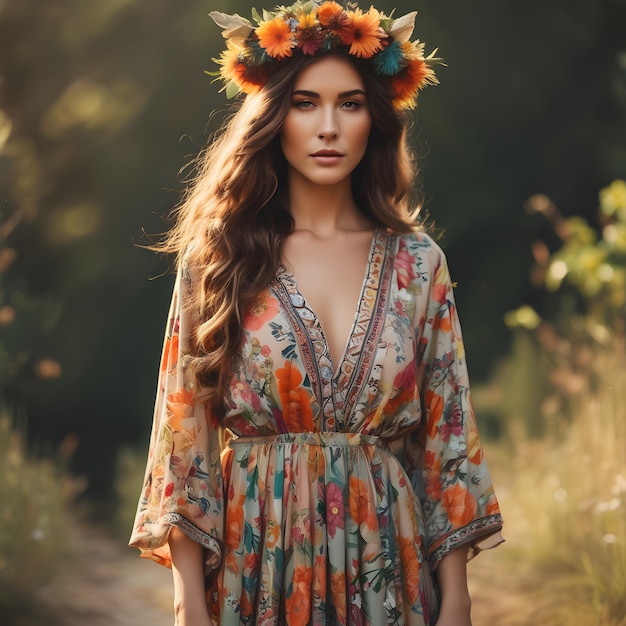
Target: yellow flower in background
[580,233]
[615,235]
[613,200]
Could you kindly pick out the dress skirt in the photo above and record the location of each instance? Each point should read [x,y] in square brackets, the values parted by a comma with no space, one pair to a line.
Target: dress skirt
[321,528]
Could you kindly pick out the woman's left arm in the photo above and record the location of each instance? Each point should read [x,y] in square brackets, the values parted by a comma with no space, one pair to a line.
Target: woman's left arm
[455,599]
[444,458]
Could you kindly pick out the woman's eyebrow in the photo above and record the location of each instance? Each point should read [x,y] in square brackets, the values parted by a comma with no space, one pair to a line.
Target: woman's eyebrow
[354,92]
[314,94]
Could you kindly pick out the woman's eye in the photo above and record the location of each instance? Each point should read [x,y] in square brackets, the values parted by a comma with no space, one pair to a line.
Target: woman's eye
[303,104]
[351,105]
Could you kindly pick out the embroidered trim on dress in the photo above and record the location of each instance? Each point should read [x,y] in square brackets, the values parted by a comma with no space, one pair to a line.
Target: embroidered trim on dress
[475,530]
[193,532]
[375,296]
[333,391]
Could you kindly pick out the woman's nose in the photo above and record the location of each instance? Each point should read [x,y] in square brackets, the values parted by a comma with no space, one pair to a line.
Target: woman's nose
[328,124]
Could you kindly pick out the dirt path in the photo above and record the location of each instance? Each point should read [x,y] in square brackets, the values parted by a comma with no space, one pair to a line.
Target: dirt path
[102,582]
[501,592]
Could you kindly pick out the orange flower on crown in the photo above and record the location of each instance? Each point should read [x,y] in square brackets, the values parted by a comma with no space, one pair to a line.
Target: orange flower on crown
[308,34]
[363,33]
[249,79]
[415,76]
[275,37]
[332,16]
[305,27]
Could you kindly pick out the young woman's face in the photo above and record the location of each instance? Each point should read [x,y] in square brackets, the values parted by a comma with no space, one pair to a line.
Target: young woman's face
[325,133]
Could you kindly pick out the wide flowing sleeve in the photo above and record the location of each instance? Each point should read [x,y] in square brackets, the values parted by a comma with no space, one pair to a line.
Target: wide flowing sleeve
[444,457]
[183,479]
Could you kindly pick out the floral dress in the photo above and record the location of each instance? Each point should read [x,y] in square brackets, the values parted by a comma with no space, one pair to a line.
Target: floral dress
[326,493]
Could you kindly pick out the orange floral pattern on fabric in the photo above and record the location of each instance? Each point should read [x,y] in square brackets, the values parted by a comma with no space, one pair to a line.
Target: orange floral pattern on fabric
[460,505]
[361,509]
[170,347]
[261,312]
[180,406]
[412,567]
[295,400]
[298,602]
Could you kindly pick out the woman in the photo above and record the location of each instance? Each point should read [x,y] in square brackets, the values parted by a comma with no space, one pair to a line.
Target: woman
[314,456]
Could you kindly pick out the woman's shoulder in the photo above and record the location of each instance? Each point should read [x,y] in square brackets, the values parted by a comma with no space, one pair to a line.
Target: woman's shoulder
[421,246]
[420,264]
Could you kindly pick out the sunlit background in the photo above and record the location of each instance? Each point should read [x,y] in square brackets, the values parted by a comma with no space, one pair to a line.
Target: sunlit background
[523,157]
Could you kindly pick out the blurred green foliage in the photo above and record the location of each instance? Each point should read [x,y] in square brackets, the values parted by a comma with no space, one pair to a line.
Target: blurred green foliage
[584,314]
[101,105]
[594,264]
[34,496]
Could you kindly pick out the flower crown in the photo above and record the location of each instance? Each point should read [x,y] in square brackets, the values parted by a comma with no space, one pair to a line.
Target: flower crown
[311,28]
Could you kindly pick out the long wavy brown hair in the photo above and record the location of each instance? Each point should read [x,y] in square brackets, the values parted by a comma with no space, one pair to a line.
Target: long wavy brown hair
[234,216]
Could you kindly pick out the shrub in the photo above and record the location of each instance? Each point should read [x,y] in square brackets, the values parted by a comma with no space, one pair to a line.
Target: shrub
[131,465]
[34,497]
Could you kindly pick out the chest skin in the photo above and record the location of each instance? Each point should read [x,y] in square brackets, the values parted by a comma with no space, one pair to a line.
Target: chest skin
[329,273]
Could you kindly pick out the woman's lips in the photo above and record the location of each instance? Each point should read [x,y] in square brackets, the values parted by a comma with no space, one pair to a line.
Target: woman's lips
[327,157]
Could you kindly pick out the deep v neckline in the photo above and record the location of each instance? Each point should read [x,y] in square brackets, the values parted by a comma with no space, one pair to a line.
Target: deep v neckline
[336,385]
[310,318]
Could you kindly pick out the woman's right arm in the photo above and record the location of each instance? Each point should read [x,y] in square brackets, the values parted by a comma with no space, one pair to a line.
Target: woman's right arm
[190,606]
[180,516]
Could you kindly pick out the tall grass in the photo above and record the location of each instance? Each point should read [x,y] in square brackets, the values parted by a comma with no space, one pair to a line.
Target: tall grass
[565,496]
[589,511]
[34,497]
[131,465]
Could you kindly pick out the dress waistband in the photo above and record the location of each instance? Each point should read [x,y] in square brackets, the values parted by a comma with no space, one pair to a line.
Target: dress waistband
[324,439]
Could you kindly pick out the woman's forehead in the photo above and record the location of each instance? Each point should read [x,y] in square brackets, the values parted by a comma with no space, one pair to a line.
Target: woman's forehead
[330,72]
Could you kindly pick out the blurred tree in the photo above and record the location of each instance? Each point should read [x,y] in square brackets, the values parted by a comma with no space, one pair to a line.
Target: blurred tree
[96,96]
[92,102]
[22,315]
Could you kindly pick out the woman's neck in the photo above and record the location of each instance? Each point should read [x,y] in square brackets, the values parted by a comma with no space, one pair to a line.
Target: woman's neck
[325,209]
